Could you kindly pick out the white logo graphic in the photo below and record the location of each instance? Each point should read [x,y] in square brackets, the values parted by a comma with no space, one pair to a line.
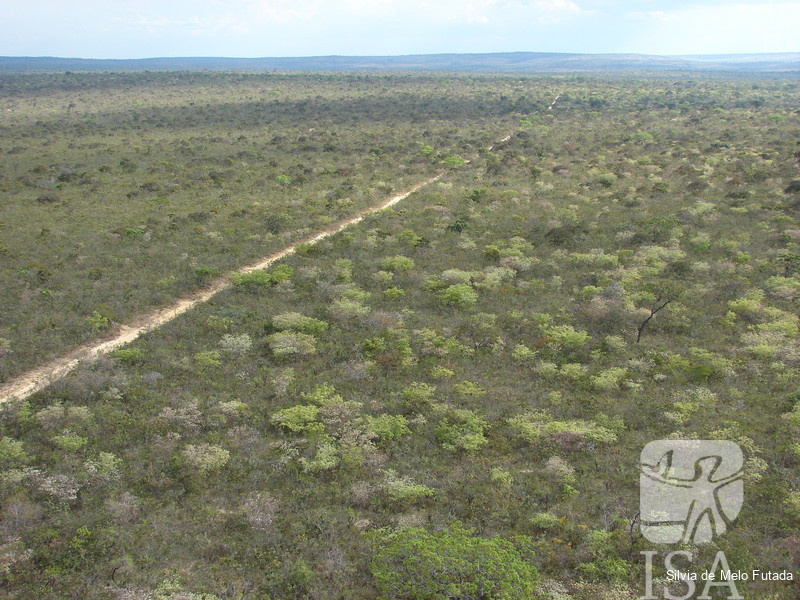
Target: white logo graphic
[690,490]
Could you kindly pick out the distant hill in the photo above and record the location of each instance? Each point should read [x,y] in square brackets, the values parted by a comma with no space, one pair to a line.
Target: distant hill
[505,62]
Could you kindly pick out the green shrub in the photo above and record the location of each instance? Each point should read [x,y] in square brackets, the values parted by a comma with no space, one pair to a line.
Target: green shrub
[522,353]
[208,358]
[296,418]
[388,427]
[325,458]
[323,395]
[418,395]
[469,389]
[393,293]
[605,569]
[297,322]
[567,336]
[460,295]
[453,162]
[69,442]
[252,280]
[397,263]
[203,272]
[415,564]
[97,322]
[403,490]
[205,458]
[461,429]
[537,425]
[128,354]
[501,476]
[281,273]
[609,379]
[12,453]
[291,343]
[545,520]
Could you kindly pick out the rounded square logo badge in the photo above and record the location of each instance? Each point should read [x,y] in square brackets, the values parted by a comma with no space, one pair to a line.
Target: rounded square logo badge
[690,490]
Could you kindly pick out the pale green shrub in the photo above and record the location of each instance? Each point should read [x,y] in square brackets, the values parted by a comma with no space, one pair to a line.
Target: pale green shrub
[536,425]
[546,369]
[236,345]
[460,295]
[501,476]
[290,343]
[404,489]
[296,418]
[297,322]
[461,429]
[345,309]
[493,277]
[567,336]
[522,353]
[453,276]
[397,263]
[572,371]
[325,458]
[388,427]
[205,457]
[418,395]
[545,520]
[610,379]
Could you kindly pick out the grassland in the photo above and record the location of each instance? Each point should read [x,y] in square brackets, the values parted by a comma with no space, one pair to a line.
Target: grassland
[472,373]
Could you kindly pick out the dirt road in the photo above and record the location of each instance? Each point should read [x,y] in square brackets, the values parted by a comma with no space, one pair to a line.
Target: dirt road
[37,379]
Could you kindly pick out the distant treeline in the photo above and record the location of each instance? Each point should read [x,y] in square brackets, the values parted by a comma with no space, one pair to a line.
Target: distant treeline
[506,62]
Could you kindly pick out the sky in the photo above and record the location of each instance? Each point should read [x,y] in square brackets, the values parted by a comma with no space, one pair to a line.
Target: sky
[261,28]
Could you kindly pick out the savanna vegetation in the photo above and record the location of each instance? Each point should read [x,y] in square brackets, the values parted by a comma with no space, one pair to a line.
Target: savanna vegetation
[123,191]
[447,400]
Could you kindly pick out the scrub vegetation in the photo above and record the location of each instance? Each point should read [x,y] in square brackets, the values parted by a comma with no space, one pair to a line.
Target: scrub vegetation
[446,400]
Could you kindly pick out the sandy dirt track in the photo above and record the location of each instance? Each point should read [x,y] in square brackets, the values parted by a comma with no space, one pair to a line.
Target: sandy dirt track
[35,380]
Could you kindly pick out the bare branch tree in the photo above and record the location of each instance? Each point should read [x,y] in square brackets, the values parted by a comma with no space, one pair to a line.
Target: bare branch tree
[656,307]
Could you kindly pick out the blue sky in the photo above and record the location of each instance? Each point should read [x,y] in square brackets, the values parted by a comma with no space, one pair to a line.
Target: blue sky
[253,28]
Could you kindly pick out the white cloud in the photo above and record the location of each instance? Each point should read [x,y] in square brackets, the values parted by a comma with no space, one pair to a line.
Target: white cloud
[654,15]
[282,11]
[556,6]
[719,29]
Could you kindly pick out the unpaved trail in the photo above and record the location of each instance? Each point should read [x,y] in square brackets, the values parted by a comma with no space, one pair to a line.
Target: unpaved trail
[37,379]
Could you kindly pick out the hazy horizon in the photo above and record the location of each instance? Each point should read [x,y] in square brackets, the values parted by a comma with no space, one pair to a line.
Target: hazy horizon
[308,28]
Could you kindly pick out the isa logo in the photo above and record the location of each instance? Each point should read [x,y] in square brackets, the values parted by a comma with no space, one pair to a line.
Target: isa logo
[690,490]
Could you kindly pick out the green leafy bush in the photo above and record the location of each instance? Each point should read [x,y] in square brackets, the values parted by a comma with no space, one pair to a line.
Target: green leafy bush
[297,322]
[402,490]
[290,343]
[397,263]
[205,458]
[535,426]
[418,395]
[128,354]
[388,427]
[296,418]
[567,336]
[461,429]
[97,322]
[252,280]
[459,295]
